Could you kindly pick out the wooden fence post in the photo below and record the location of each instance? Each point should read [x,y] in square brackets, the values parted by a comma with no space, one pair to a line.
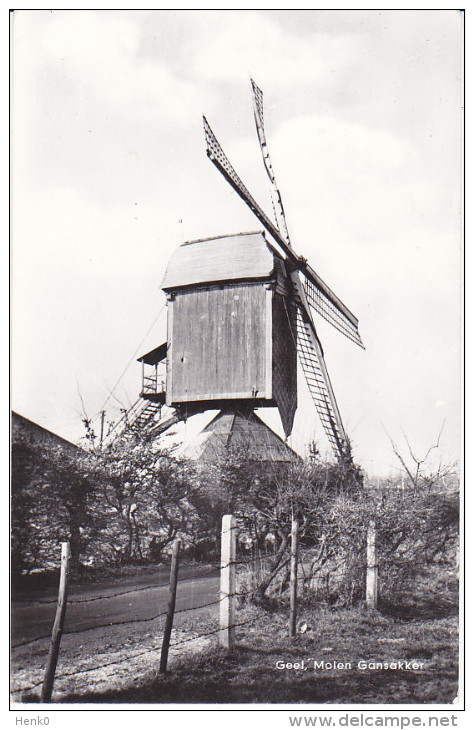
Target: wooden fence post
[52,661]
[228,584]
[372,567]
[165,645]
[293,578]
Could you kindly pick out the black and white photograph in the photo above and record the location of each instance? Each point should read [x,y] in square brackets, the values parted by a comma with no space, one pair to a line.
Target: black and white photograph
[236,373]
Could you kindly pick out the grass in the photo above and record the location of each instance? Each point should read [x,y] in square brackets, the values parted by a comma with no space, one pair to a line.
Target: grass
[249,674]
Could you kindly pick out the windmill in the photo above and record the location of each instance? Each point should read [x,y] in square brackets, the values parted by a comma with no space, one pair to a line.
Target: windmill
[240,313]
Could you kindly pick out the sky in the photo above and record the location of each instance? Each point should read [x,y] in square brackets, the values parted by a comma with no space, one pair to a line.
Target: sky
[363,115]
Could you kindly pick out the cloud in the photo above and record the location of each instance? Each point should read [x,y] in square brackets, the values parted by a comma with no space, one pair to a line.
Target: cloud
[359,184]
[245,42]
[94,58]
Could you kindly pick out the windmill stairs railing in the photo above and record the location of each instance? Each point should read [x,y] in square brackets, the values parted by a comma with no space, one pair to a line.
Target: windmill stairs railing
[147,416]
[142,416]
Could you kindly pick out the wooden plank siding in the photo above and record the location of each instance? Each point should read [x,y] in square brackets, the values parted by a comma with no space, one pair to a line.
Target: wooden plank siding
[284,360]
[218,343]
[169,352]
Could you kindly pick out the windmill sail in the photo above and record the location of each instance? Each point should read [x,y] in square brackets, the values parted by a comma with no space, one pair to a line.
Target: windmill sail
[326,308]
[319,385]
[320,296]
[276,197]
[218,157]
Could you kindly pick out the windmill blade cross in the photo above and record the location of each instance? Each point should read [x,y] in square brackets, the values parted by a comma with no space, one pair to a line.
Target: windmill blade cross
[311,293]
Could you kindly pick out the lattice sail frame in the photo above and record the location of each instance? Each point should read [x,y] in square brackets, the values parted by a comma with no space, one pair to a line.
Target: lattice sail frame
[324,307]
[277,202]
[316,376]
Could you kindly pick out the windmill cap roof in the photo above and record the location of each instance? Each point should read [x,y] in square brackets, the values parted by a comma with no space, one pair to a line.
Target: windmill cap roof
[239,256]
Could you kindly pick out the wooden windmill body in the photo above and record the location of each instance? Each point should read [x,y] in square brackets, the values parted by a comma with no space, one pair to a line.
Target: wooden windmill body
[231,327]
[240,312]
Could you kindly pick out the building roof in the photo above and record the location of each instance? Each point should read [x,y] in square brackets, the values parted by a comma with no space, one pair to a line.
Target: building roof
[239,432]
[224,258]
[34,432]
[154,356]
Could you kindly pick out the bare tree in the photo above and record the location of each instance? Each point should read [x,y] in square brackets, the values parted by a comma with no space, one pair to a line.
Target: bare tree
[419,469]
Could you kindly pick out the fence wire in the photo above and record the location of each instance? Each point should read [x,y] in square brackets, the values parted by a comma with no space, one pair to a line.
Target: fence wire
[148,619]
[136,590]
[211,569]
[66,675]
[161,614]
